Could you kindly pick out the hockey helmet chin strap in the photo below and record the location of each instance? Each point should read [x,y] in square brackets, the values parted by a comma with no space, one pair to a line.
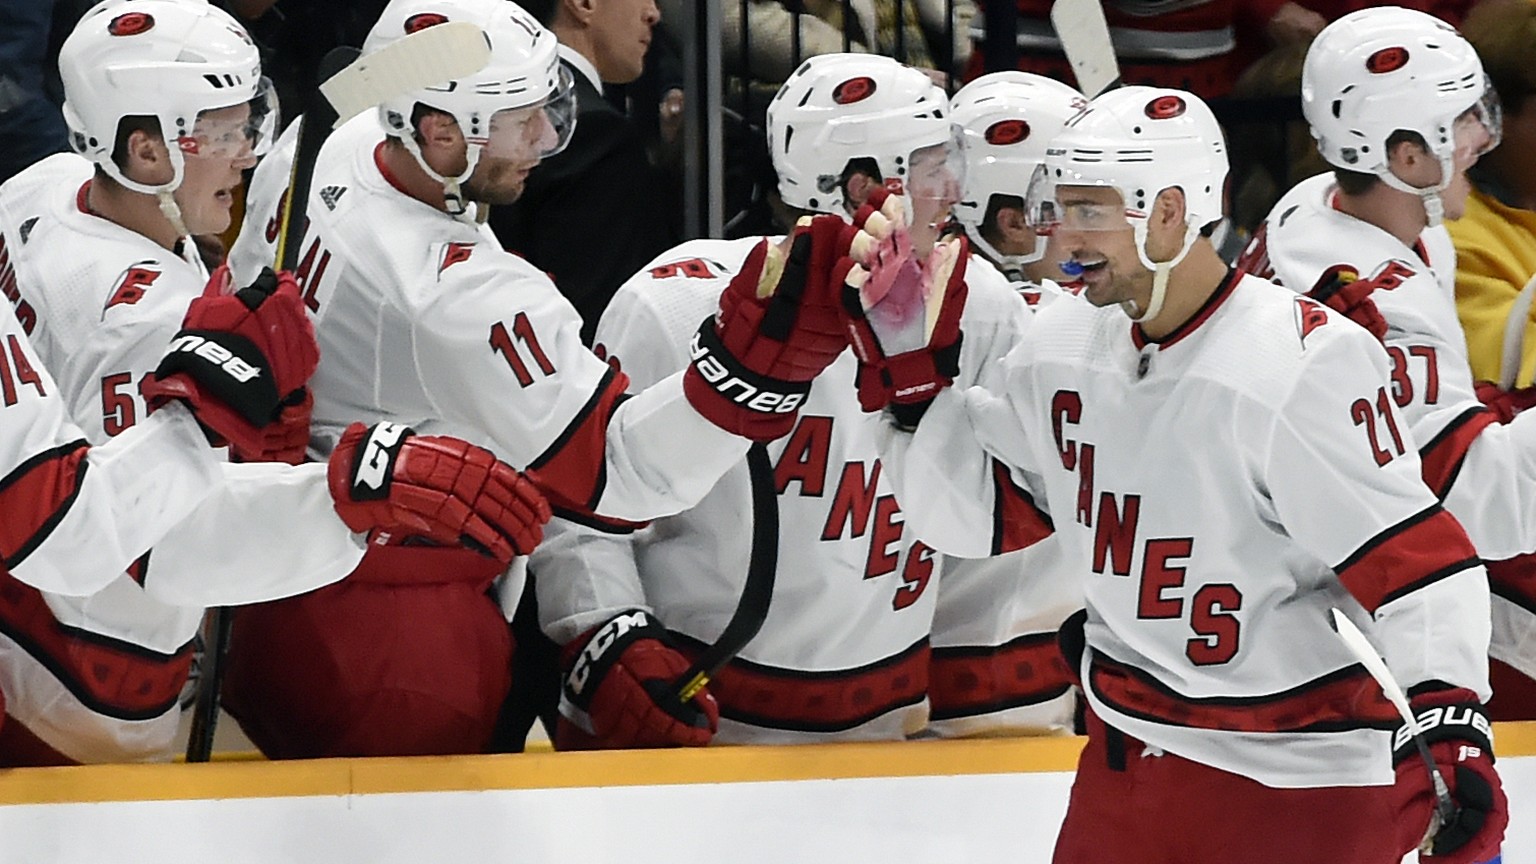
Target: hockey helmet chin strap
[1012,266]
[164,197]
[1161,270]
[1434,207]
[453,193]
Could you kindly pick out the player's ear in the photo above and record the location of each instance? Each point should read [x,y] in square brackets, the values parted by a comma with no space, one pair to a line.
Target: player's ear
[1010,225]
[145,158]
[578,12]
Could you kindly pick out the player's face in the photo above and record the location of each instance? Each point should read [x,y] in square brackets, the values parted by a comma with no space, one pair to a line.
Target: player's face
[517,140]
[621,34]
[1473,137]
[934,180]
[1091,230]
[220,147]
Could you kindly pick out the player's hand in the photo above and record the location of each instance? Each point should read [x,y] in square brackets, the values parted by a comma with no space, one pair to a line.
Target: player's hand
[619,690]
[1351,297]
[1505,404]
[287,438]
[1460,740]
[387,478]
[238,356]
[777,328]
[902,311]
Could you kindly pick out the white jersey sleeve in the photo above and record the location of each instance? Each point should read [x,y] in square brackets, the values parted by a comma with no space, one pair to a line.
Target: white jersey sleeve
[424,319]
[77,516]
[588,572]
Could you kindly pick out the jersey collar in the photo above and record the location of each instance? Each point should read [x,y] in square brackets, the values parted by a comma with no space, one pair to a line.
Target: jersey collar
[1206,310]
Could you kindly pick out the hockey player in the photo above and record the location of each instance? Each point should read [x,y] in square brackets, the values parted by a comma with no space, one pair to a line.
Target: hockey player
[95,252]
[1401,108]
[997,617]
[843,653]
[1007,119]
[423,318]
[1223,468]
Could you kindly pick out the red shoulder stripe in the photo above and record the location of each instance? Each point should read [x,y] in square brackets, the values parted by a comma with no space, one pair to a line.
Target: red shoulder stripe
[1443,455]
[36,496]
[1416,552]
[573,470]
[1017,521]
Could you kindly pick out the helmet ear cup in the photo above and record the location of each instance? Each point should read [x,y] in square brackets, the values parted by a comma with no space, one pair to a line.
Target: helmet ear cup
[1383,69]
[836,108]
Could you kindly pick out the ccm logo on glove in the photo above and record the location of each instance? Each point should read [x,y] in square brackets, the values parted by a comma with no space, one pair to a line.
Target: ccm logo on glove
[371,480]
[236,367]
[601,641]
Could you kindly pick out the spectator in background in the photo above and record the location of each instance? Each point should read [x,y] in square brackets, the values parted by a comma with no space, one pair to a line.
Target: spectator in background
[1190,46]
[603,183]
[31,126]
[1496,239]
[872,27]
[1495,256]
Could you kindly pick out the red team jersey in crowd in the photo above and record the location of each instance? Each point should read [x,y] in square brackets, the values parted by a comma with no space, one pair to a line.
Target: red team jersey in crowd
[1483,471]
[94,668]
[845,649]
[1220,490]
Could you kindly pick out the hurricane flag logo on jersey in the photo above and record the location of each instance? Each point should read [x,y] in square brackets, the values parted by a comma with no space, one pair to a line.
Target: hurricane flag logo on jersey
[131,287]
[453,253]
[1310,315]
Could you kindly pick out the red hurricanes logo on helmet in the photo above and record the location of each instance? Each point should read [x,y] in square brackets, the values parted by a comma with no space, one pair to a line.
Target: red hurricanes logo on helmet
[423,20]
[1165,107]
[1387,60]
[853,90]
[1006,132]
[131,24]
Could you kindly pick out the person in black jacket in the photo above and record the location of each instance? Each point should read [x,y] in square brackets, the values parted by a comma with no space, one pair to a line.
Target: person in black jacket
[603,181]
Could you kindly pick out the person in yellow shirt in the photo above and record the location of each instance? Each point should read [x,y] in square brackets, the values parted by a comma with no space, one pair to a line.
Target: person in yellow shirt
[1495,258]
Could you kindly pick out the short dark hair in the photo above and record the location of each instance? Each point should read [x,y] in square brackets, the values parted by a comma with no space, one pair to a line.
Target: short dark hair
[1359,182]
[997,202]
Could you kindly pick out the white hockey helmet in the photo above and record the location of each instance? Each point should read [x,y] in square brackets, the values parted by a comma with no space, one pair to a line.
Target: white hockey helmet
[1137,141]
[524,71]
[840,107]
[1380,70]
[166,59]
[1006,119]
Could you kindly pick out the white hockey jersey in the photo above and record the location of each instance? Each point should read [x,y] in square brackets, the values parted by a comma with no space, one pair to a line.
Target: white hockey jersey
[424,319]
[844,651]
[1220,490]
[96,672]
[1484,472]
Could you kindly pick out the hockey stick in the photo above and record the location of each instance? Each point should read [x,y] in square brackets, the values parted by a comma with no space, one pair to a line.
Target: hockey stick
[756,591]
[1358,645]
[1084,36]
[1513,351]
[351,85]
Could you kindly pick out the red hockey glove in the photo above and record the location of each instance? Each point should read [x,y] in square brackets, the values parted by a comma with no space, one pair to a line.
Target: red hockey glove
[1351,296]
[618,691]
[1505,404]
[238,356]
[902,313]
[387,478]
[1460,740]
[777,328]
[286,439]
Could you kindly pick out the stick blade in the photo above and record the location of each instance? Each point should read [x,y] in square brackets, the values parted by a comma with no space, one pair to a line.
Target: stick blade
[424,58]
[1084,36]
